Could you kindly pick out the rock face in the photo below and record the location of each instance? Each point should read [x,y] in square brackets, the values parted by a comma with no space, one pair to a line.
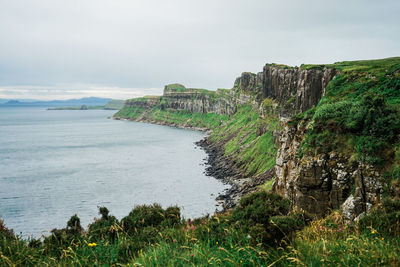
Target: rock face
[198,101]
[147,102]
[192,100]
[324,182]
[293,88]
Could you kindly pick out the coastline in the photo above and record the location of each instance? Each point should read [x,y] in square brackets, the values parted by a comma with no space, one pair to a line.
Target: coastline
[220,167]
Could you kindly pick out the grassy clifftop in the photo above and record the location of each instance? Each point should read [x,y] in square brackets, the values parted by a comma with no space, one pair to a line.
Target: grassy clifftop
[359,115]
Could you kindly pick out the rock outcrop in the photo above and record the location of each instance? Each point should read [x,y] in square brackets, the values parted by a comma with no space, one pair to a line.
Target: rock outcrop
[192,100]
[294,89]
[321,183]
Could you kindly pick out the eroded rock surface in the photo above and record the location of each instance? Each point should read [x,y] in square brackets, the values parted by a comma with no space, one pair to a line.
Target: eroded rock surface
[321,183]
[293,88]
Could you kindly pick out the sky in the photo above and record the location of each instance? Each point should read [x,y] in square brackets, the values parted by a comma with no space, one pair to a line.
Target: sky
[53,49]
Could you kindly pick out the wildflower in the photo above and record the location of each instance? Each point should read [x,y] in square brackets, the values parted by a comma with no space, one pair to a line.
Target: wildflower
[216,242]
[92,244]
[192,227]
[192,255]
[174,241]
[373,232]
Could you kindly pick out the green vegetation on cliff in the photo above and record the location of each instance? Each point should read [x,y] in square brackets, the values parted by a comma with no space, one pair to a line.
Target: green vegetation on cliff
[249,140]
[174,117]
[362,108]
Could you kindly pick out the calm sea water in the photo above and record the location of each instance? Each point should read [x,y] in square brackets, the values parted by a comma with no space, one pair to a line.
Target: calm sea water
[54,164]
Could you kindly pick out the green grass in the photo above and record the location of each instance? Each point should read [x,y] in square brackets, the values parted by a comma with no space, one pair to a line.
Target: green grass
[130,112]
[255,154]
[359,113]
[159,237]
[175,87]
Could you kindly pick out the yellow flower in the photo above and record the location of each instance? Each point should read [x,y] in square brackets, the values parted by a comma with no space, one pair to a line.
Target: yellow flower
[216,242]
[373,231]
[92,244]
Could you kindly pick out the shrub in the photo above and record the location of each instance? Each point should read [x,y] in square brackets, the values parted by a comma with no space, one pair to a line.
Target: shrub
[5,232]
[61,239]
[266,217]
[332,112]
[259,207]
[150,215]
[74,225]
[384,218]
[106,227]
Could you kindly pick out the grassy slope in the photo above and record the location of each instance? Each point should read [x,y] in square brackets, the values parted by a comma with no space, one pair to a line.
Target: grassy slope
[255,154]
[174,117]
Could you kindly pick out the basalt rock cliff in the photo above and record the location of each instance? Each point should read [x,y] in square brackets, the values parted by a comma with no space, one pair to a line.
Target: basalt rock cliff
[293,89]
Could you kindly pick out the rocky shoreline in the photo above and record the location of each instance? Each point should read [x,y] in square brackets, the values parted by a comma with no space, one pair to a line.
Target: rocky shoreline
[220,167]
[224,168]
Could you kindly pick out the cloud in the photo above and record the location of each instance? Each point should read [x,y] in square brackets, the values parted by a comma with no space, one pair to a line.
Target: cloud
[206,44]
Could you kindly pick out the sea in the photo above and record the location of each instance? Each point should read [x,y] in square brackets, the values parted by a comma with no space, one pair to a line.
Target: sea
[57,163]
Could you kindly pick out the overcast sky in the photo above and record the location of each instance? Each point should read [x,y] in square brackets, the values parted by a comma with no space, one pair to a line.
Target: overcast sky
[53,49]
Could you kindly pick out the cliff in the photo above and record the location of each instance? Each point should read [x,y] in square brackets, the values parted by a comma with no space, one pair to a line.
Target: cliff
[323,182]
[178,97]
[294,89]
[318,133]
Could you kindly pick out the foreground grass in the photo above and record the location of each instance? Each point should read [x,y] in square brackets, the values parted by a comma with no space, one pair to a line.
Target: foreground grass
[261,232]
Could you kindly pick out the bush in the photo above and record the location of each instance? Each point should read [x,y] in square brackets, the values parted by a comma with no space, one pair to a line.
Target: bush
[61,239]
[266,217]
[150,215]
[106,227]
[5,232]
[259,207]
[332,112]
[74,225]
[384,218]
